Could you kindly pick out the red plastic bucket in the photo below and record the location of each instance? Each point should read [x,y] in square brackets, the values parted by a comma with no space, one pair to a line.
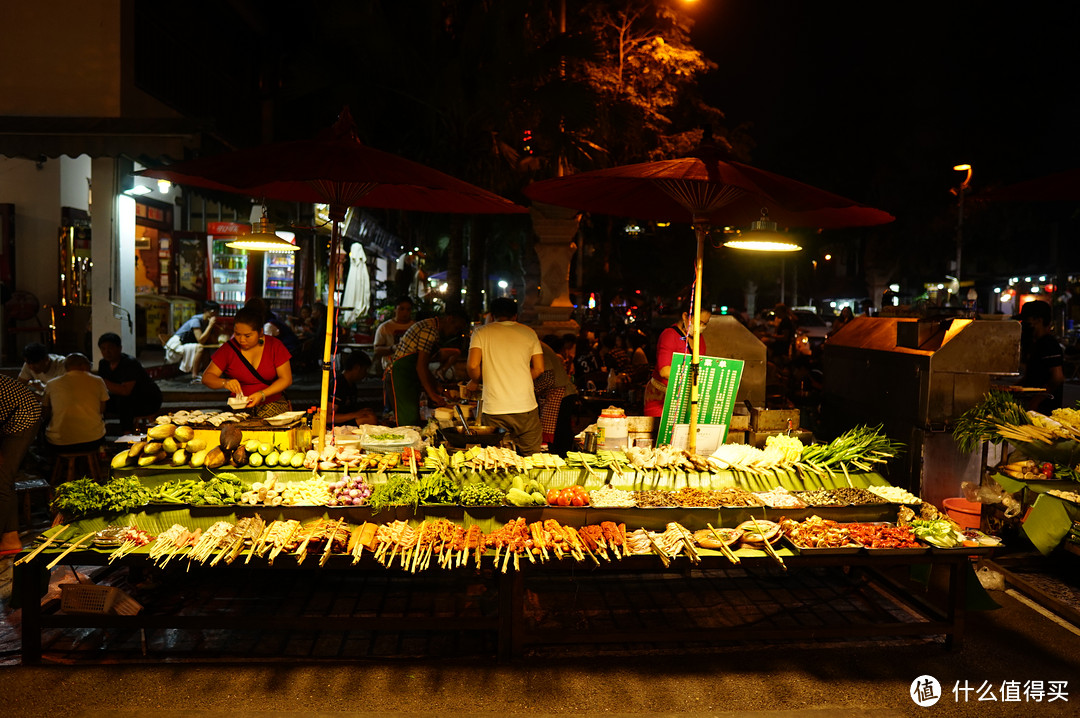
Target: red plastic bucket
[966,513]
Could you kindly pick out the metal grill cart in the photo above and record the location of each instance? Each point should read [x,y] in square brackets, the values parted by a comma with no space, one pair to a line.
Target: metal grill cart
[726,336]
[916,377]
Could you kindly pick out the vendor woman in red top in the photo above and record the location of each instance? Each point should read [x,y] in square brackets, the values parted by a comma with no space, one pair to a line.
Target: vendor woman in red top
[673,340]
[252,365]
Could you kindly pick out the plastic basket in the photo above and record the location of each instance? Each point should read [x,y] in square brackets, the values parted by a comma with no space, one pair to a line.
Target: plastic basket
[89,598]
[968,514]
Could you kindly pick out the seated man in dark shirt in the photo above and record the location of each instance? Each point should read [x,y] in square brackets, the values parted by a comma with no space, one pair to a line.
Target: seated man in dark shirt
[131,390]
[1042,356]
[347,409]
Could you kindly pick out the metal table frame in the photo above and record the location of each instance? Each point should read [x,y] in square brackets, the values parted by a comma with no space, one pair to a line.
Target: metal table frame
[945,616]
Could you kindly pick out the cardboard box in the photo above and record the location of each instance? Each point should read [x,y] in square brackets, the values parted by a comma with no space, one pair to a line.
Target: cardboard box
[774,419]
[735,437]
[740,422]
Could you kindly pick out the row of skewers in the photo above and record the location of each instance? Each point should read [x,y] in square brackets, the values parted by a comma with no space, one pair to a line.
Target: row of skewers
[414,547]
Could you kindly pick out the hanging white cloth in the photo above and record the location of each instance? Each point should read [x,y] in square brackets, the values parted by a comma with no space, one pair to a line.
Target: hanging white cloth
[355,301]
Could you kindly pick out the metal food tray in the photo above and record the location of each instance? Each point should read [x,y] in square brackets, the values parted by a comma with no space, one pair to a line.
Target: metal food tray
[917,551]
[815,551]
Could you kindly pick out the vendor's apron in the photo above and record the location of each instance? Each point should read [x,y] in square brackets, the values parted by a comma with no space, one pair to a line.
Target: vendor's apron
[656,389]
[401,390]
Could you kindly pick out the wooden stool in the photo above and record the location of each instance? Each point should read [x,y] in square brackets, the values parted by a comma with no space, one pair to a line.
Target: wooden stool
[66,465]
[24,488]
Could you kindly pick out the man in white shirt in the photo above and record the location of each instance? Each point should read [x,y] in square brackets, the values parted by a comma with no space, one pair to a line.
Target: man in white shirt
[76,401]
[39,367]
[508,356]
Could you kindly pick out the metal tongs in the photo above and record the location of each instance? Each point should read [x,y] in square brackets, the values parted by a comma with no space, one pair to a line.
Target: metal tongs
[461,417]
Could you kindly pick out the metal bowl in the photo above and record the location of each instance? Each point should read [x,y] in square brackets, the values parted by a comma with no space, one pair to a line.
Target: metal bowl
[482,435]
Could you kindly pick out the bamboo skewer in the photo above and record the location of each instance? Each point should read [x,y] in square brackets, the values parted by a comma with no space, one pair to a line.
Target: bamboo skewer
[768,546]
[69,549]
[664,559]
[724,548]
[44,545]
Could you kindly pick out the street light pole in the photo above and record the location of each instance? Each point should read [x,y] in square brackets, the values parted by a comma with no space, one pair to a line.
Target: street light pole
[959,192]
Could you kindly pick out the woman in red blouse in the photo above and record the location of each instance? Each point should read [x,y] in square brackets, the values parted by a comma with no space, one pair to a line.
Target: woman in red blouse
[673,340]
[252,365]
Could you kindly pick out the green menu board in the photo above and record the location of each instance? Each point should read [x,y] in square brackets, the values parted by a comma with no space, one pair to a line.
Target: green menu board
[718,384]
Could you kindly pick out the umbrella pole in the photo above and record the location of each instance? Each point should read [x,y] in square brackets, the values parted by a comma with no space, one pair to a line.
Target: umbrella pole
[331,327]
[700,230]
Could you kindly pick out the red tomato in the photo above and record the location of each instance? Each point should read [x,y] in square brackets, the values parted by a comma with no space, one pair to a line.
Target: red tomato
[553,496]
[577,501]
[564,498]
[578,490]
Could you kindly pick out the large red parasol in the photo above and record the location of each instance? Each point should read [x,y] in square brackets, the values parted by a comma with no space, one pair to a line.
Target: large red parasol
[335,168]
[1057,187]
[706,189]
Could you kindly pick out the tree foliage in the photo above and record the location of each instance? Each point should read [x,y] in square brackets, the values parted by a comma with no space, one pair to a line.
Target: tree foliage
[644,72]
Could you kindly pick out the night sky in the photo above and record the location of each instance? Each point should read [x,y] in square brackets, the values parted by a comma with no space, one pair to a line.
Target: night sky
[857,96]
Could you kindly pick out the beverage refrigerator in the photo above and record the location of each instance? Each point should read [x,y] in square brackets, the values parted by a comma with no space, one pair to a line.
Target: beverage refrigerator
[228,275]
[279,274]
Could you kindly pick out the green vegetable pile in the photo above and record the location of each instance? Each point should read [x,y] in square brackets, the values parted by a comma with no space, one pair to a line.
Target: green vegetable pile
[939,533]
[222,490]
[437,487]
[481,495]
[981,422]
[86,497]
[859,448]
[396,491]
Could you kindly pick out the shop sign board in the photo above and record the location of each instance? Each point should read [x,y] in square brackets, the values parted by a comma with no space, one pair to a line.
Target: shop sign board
[227,229]
[718,385]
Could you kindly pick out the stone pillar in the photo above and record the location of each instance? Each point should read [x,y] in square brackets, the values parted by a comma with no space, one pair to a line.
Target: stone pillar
[112,226]
[555,228]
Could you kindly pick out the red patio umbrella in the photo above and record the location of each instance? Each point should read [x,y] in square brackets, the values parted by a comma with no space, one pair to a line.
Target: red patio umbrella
[337,169]
[705,189]
[1057,187]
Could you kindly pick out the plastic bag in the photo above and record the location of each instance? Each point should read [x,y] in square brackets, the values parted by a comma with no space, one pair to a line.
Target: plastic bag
[991,492]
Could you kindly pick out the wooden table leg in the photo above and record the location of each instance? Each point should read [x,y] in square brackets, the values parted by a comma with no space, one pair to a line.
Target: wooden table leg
[511,614]
[957,602]
[27,579]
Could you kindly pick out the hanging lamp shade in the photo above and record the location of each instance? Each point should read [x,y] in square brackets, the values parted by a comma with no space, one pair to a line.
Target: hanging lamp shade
[263,239]
[763,236]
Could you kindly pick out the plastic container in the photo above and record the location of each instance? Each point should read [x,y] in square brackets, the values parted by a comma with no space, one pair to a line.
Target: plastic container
[612,429]
[968,514]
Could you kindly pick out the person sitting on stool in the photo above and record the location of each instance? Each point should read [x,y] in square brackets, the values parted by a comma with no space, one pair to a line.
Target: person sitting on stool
[76,401]
[188,346]
[20,414]
[347,409]
[131,390]
[39,367]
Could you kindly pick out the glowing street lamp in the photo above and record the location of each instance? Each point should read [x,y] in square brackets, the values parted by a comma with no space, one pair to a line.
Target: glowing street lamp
[959,192]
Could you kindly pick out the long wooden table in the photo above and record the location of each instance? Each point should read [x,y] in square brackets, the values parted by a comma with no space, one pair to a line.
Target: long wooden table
[941,616]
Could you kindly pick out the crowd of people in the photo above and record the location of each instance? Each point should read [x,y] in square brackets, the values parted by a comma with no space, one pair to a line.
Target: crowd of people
[58,403]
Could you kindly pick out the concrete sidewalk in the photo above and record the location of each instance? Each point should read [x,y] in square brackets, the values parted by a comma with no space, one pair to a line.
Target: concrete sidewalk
[1010,644]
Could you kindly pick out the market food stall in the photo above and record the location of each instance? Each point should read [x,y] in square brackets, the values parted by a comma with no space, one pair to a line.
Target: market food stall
[488,514]
[917,377]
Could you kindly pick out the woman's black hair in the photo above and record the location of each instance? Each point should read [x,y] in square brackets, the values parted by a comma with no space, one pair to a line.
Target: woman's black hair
[250,316]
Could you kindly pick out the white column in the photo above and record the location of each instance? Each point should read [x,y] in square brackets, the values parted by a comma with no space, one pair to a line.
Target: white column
[112,226]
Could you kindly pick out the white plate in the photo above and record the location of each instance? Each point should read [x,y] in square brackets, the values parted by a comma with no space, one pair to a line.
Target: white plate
[284,418]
